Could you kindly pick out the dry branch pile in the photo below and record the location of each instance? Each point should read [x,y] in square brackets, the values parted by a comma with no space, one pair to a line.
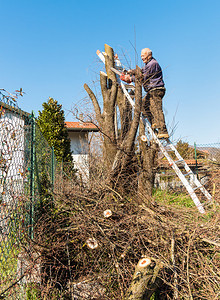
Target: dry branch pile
[97,238]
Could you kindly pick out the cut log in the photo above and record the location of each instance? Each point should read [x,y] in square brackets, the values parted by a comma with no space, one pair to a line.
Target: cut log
[145,280]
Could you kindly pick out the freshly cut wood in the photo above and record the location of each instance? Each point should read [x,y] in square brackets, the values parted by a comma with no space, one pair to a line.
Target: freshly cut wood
[144,138]
[145,280]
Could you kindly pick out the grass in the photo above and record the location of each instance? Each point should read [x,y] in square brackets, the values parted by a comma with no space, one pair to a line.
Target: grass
[10,247]
[172,198]
[9,251]
[181,200]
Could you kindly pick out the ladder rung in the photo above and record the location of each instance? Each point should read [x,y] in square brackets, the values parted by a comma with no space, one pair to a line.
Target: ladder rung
[166,144]
[177,161]
[189,173]
[129,87]
[198,187]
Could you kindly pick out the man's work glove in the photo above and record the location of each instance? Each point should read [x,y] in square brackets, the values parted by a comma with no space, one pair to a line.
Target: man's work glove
[126,78]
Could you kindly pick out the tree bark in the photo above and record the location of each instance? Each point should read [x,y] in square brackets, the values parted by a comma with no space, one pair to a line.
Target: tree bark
[119,154]
[148,162]
[106,118]
[125,110]
[125,162]
[146,279]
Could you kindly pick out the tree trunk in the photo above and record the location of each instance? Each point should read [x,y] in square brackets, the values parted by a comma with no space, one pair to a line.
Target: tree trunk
[124,169]
[118,153]
[146,279]
[148,158]
[106,119]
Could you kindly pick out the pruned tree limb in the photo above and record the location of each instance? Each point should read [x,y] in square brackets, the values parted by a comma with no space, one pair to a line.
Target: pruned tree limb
[146,279]
[109,62]
[128,142]
[137,111]
[103,83]
[95,104]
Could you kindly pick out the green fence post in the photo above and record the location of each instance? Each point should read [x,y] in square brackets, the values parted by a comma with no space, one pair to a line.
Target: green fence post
[52,166]
[196,161]
[32,187]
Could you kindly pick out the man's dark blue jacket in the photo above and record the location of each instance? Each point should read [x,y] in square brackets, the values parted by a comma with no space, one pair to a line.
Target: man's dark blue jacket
[152,75]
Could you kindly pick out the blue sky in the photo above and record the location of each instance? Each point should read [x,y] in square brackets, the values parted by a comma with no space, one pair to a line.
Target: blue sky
[48,47]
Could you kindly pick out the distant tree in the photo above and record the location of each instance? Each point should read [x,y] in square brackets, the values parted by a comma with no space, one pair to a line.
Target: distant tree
[185,150]
[188,152]
[52,124]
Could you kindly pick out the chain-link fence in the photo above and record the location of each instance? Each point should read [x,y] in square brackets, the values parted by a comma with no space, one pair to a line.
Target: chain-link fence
[211,151]
[27,167]
[203,160]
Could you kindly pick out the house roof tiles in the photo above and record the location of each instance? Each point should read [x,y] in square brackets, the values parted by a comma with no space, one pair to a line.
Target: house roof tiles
[190,162]
[81,126]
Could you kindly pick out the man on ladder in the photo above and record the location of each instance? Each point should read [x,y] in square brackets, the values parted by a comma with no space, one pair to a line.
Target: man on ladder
[151,71]
[154,86]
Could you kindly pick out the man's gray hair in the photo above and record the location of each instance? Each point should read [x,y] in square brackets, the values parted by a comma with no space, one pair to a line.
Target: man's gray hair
[147,50]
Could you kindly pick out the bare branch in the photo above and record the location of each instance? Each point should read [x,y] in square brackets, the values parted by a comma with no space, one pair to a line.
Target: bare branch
[95,104]
[103,83]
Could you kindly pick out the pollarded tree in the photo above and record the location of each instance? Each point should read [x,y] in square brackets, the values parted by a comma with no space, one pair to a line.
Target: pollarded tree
[119,147]
[52,124]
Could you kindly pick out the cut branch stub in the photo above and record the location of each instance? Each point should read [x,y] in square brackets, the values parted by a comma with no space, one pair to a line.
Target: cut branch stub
[109,62]
[145,280]
[144,262]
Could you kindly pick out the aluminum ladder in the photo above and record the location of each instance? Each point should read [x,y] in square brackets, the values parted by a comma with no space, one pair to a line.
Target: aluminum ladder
[191,188]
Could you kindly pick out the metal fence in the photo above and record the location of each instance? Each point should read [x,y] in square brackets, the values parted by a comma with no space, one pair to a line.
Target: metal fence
[202,159]
[26,163]
[212,151]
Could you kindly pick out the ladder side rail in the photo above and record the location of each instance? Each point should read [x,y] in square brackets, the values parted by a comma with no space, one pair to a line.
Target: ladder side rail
[170,160]
[176,169]
[127,95]
[101,56]
[195,179]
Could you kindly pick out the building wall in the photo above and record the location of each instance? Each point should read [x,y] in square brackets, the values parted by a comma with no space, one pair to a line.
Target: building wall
[11,148]
[11,166]
[167,179]
[80,152]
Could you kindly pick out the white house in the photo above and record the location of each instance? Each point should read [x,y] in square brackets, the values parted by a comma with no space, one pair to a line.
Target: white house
[78,133]
[12,158]
[11,149]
